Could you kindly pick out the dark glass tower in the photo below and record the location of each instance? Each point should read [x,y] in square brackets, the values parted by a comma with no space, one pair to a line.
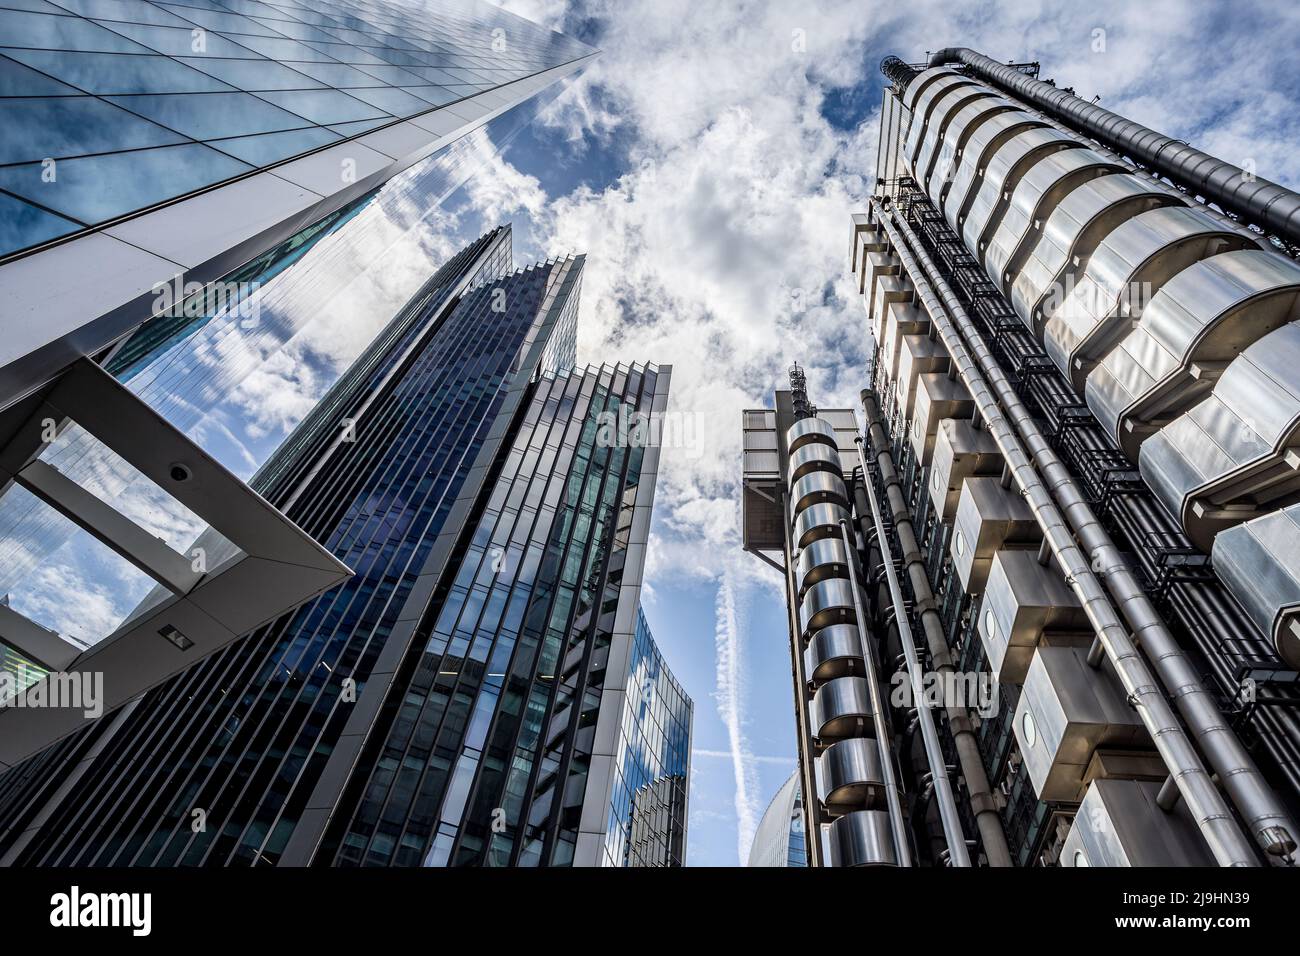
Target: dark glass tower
[446,704]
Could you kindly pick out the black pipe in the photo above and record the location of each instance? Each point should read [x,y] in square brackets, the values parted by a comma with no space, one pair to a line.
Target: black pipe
[1273,208]
[898,72]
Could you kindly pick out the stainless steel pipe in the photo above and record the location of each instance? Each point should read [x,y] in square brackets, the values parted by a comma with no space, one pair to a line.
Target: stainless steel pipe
[969,759]
[1209,810]
[1266,817]
[1258,201]
[902,847]
[952,832]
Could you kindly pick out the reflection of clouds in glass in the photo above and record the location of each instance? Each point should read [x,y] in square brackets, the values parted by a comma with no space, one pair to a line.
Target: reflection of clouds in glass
[82,590]
[238,381]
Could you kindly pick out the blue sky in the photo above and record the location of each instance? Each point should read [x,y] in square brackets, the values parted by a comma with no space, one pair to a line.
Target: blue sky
[708,163]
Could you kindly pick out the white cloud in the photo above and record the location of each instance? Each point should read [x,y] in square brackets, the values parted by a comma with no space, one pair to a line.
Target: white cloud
[734,204]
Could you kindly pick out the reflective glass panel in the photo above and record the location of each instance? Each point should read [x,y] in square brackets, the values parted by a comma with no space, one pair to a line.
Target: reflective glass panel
[120,72]
[215,114]
[23,225]
[96,188]
[39,128]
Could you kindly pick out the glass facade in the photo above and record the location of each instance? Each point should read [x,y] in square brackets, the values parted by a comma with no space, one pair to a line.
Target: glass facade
[648,800]
[458,468]
[202,364]
[482,753]
[111,107]
[243,735]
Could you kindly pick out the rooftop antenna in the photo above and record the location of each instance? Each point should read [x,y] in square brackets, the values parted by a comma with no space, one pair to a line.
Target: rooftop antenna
[803,408]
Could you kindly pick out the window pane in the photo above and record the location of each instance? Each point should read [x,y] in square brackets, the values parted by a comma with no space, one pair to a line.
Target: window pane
[18,80]
[254,75]
[22,225]
[434,95]
[107,73]
[273,147]
[284,49]
[96,188]
[216,20]
[37,129]
[180,41]
[60,33]
[393,101]
[131,11]
[392,75]
[337,74]
[323,106]
[353,129]
[209,115]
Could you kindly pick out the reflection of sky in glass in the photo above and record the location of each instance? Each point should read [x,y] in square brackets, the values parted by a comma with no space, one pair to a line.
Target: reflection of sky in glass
[236,381]
[652,758]
[182,79]
[80,589]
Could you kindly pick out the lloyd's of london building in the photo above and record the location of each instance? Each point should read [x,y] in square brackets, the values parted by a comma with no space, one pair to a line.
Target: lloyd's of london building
[1068,498]
[413,636]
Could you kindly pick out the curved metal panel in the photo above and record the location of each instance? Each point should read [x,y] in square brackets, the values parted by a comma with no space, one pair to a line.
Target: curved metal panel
[823,559]
[1128,267]
[1259,562]
[1070,236]
[773,837]
[816,487]
[950,150]
[840,708]
[923,111]
[827,603]
[814,456]
[1044,184]
[818,521]
[1231,456]
[1003,172]
[861,839]
[946,107]
[1197,323]
[810,429]
[984,143]
[849,776]
[921,82]
[833,652]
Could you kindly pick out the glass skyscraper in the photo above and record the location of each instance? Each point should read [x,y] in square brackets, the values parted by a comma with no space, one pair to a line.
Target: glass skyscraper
[287,162]
[648,803]
[149,140]
[459,700]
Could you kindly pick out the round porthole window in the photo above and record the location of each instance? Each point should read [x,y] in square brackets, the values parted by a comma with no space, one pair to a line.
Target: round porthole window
[934,480]
[1080,859]
[1029,729]
[990,623]
[959,543]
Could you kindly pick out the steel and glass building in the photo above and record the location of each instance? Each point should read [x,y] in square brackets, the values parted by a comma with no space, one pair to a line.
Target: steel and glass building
[149,140]
[779,839]
[482,690]
[649,798]
[1069,508]
[191,196]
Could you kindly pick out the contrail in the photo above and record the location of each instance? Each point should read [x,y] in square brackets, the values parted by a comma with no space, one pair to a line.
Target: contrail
[730,696]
